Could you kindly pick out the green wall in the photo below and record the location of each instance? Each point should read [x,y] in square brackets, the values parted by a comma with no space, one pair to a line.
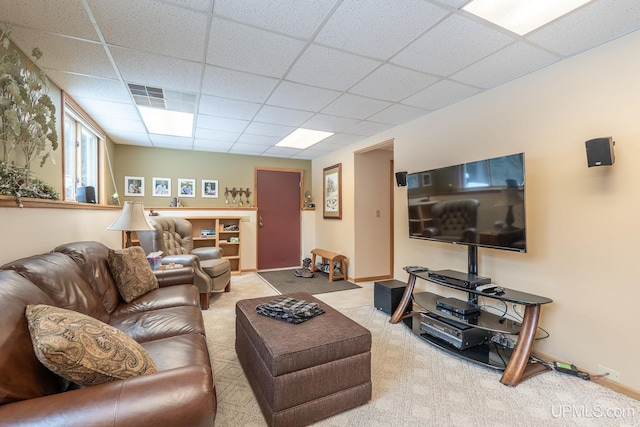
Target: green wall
[231,170]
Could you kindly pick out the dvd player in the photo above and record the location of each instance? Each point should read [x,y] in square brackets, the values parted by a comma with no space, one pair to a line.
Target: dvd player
[457,278]
[457,306]
[458,335]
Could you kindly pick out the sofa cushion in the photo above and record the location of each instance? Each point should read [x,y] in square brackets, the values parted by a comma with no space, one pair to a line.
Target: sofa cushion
[171,296]
[22,376]
[63,280]
[92,258]
[132,273]
[161,323]
[82,349]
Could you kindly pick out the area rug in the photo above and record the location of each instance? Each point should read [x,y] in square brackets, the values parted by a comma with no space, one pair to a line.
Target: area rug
[285,282]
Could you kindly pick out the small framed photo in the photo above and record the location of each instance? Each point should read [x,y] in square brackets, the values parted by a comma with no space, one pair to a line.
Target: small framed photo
[186,187]
[134,186]
[426,179]
[210,188]
[161,187]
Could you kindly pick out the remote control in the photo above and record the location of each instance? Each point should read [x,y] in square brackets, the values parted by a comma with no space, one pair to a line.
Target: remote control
[486,288]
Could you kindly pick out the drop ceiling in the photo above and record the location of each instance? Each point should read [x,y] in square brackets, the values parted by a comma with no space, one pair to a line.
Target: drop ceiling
[259,69]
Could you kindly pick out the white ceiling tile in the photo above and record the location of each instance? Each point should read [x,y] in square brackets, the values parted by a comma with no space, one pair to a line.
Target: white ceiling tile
[293,17]
[239,148]
[281,152]
[64,53]
[302,97]
[453,44]
[398,114]
[121,127]
[325,147]
[392,83]
[236,85]
[328,123]
[258,139]
[90,87]
[221,123]
[203,5]
[116,110]
[456,4]
[215,146]
[266,129]
[343,139]
[250,49]
[142,25]
[318,66]
[368,128]
[216,135]
[308,154]
[440,95]
[155,70]
[282,116]
[589,26]
[223,107]
[141,140]
[378,28]
[509,63]
[60,16]
[354,106]
[166,141]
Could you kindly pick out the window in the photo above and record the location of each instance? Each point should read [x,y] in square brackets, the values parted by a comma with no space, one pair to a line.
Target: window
[494,172]
[81,153]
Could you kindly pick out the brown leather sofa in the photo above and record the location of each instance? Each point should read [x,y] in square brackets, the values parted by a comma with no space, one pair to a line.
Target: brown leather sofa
[173,236]
[167,322]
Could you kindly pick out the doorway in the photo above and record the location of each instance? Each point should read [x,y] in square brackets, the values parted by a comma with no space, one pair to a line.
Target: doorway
[278,200]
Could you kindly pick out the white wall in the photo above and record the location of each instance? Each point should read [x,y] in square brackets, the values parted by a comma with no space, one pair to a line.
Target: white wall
[30,231]
[582,238]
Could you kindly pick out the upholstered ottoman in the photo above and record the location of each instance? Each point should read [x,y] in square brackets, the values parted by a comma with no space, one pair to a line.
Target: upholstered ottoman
[302,373]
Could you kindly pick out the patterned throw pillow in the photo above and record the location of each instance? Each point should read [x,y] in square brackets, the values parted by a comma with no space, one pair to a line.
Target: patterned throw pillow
[132,272]
[82,349]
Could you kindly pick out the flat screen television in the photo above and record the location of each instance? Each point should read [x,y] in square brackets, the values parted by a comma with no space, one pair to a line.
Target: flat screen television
[480,204]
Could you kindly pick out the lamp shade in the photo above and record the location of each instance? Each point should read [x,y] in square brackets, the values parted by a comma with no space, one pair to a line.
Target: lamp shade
[131,218]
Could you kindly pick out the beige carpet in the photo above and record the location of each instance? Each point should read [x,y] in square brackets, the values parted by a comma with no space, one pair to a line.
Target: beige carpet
[415,384]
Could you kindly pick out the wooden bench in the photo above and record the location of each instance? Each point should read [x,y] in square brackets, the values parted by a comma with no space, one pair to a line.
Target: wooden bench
[331,258]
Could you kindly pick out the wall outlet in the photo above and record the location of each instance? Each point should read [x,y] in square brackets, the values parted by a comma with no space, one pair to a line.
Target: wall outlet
[245,219]
[613,375]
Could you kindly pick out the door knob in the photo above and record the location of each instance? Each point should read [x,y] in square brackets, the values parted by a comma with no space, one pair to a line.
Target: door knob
[260,221]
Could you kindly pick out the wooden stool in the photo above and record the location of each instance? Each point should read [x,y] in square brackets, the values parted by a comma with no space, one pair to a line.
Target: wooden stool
[332,258]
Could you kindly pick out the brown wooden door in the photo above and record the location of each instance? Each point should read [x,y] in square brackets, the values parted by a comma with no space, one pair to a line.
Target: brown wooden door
[278,202]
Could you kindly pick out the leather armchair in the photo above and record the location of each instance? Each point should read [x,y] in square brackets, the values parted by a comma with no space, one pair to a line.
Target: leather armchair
[454,220]
[174,237]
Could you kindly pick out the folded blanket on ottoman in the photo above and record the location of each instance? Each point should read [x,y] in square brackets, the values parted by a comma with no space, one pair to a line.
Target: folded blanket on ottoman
[290,309]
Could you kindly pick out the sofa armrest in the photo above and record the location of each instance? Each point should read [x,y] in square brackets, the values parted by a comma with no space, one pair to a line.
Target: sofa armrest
[175,276]
[212,252]
[177,397]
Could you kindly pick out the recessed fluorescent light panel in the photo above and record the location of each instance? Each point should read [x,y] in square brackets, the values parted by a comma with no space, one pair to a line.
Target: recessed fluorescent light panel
[165,112]
[303,138]
[522,16]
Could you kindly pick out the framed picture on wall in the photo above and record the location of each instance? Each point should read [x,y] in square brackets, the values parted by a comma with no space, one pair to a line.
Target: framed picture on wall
[332,192]
[186,187]
[210,188]
[161,187]
[134,186]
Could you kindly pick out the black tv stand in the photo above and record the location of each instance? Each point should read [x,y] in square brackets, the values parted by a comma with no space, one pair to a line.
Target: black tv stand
[516,366]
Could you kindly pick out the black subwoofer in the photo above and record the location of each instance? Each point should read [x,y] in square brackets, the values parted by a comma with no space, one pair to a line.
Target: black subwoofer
[387,295]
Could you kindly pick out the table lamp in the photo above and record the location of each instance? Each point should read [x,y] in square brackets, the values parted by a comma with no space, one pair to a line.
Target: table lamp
[131,219]
[510,196]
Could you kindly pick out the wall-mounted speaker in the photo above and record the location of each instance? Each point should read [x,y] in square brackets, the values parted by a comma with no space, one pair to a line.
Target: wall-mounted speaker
[401,179]
[600,151]
[86,194]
